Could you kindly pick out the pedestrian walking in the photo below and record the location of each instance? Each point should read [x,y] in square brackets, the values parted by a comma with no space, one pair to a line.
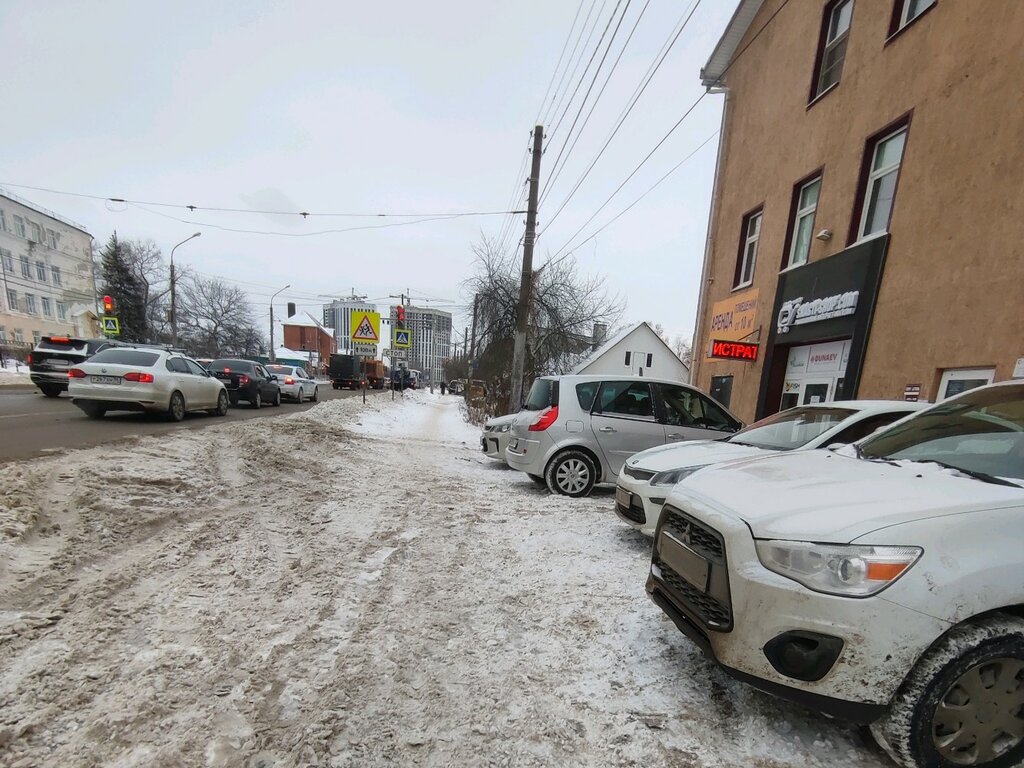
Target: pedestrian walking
[443,388]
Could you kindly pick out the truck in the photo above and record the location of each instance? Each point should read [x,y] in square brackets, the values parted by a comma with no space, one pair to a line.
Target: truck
[374,372]
[345,372]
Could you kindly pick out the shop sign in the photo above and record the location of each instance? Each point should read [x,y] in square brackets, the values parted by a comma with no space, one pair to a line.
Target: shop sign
[1018,369]
[734,350]
[734,318]
[825,358]
[800,312]
[912,393]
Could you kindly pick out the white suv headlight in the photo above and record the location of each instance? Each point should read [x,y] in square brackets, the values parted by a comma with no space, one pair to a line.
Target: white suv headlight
[847,570]
[504,428]
[673,476]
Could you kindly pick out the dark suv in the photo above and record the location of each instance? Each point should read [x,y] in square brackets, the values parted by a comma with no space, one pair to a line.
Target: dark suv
[54,355]
[246,380]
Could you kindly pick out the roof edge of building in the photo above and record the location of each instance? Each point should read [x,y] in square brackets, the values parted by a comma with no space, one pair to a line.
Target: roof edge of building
[721,57]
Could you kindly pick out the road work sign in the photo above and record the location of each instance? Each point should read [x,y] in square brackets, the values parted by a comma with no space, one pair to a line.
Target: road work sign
[365,326]
[111,326]
[401,338]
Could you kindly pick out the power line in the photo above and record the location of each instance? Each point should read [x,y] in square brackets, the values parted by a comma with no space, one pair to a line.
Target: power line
[555,98]
[565,45]
[575,69]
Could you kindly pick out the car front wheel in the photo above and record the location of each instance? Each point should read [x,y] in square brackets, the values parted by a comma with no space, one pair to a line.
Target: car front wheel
[316,394]
[963,704]
[571,473]
[222,404]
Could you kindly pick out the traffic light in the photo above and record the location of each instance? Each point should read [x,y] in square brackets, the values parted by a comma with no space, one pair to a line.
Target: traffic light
[400,315]
[108,305]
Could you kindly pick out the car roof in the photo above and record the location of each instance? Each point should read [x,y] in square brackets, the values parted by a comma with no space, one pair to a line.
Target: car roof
[869,405]
[584,377]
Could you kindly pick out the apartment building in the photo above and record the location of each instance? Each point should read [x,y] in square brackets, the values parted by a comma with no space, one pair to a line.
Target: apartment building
[431,340]
[47,273]
[867,218]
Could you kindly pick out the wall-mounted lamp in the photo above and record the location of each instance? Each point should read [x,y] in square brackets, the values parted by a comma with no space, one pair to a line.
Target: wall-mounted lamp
[825,235]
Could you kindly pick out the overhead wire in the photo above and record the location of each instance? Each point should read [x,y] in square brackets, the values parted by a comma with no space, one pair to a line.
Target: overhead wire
[597,20]
[555,97]
[558,64]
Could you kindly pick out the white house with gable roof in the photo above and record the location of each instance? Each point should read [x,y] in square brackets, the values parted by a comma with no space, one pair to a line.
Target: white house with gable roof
[637,351]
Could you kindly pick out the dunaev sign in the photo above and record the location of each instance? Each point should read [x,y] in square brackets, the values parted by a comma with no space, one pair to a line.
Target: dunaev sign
[800,312]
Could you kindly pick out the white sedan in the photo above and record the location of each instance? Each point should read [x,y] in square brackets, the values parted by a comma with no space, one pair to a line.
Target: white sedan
[648,476]
[145,379]
[494,440]
[294,382]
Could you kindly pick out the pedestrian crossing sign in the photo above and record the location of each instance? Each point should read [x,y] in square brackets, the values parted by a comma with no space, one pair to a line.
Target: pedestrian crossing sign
[111,326]
[401,338]
[365,327]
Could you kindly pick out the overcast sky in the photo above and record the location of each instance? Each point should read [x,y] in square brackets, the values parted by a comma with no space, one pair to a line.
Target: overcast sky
[343,107]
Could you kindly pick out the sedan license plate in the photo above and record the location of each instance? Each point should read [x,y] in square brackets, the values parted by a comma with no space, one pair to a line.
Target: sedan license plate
[623,498]
[684,561]
[514,445]
[105,379]
[58,363]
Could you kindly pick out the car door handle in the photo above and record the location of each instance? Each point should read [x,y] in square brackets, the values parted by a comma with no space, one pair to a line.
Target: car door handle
[608,429]
[676,437]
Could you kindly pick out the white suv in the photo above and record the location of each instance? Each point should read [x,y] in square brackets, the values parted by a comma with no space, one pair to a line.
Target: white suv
[882,582]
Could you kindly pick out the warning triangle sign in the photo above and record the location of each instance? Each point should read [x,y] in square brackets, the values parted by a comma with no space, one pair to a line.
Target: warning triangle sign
[364,331]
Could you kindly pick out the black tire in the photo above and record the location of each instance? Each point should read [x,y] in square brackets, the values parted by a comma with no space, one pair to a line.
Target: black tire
[571,473]
[222,405]
[316,393]
[256,402]
[277,399]
[234,400]
[968,657]
[93,411]
[176,407]
[537,479]
[51,390]
[298,397]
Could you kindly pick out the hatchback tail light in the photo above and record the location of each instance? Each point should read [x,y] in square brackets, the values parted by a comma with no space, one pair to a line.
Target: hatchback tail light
[243,380]
[76,373]
[545,419]
[28,361]
[289,381]
[141,378]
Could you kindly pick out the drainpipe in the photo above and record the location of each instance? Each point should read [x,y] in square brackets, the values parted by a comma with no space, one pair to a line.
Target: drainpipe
[696,349]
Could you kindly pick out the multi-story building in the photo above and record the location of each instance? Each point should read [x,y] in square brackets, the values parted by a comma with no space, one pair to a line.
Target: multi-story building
[431,340]
[46,267]
[338,316]
[865,228]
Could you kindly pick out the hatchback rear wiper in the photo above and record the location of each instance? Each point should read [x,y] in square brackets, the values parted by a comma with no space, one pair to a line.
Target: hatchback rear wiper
[983,476]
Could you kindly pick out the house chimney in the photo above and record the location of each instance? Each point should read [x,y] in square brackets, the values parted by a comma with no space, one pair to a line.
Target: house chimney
[600,334]
[291,309]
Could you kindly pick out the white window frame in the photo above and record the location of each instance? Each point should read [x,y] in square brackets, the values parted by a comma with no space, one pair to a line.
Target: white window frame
[831,44]
[960,374]
[12,300]
[3,221]
[37,336]
[51,239]
[906,18]
[57,278]
[801,213]
[873,176]
[26,267]
[41,271]
[30,304]
[47,305]
[35,232]
[62,311]
[8,260]
[19,226]
[19,336]
[750,247]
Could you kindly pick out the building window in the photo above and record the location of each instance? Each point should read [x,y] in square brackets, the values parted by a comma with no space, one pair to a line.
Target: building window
[907,11]
[56,275]
[47,307]
[62,310]
[30,303]
[12,300]
[19,226]
[956,381]
[26,269]
[18,336]
[832,49]
[805,202]
[36,337]
[3,228]
[36,232]
[747,259]
[880,188]
[51,239]
[41,271]
[8,260]
[721,389]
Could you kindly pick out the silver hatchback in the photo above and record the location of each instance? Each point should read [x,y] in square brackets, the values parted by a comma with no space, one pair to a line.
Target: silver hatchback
[577,431]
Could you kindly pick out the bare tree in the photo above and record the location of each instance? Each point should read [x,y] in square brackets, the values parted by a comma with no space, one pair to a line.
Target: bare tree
[146,261]
[564,308]
[216,319]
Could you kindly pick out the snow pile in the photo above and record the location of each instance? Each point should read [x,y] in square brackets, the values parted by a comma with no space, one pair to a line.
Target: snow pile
[14,372]
[355,585]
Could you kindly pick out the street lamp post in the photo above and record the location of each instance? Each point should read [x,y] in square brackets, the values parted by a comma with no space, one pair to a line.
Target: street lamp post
[272,320]
[174,303]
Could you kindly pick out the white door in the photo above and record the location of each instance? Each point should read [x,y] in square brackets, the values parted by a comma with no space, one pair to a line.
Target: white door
[207,387]
[817,390]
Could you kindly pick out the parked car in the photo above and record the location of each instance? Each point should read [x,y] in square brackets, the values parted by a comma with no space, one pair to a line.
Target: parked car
[494,440]
[294,382]
[882,582]
[457,386]
[648,476]
[415,379]
[576,431]
[246,380]
[126,378]
[54,355]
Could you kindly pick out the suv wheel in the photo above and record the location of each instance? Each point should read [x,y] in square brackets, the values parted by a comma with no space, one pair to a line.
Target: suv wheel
[51,390]
[94,411]
[571,473]
[963,704]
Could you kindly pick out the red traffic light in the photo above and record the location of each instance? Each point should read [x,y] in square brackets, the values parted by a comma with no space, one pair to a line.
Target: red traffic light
[400,313]
[108,305]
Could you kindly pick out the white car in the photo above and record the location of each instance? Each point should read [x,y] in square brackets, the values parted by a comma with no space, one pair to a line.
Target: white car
[882,582]
[294,382]
[144,379]
[648,476]
[494,440]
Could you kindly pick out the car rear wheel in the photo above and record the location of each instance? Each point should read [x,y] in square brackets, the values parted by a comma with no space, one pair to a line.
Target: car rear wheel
[298,397]
[234,400]
[222,405]
[963,704]
[94,411]
[176,408]
[257,402]
[571,473]
[51,390]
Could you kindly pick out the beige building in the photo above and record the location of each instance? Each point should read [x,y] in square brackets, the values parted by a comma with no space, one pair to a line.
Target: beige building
[867,226]
[47,274]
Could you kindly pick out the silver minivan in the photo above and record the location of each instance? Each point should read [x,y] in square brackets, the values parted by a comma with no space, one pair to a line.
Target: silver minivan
[576,431]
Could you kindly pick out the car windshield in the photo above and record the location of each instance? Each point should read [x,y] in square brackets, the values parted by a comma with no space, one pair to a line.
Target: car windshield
[543,393]
[230,365]
[284,370]
[981,433]
[125,357]
[791,429]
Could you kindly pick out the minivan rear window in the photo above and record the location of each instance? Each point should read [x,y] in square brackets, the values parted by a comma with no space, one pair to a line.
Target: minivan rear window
[586,392]
[543,394]
[125,357]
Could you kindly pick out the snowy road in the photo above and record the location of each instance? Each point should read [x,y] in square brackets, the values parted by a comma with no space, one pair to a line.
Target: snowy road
[349,586]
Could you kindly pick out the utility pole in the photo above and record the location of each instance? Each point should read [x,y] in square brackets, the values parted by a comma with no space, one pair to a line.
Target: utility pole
[472,338]
[526,285]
